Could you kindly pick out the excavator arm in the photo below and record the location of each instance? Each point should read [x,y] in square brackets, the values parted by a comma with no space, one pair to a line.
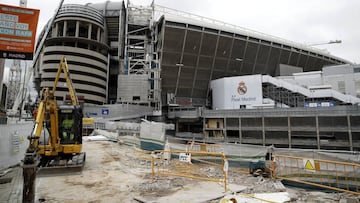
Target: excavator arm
[63,67]
[46,109]
[35,135]
[31,159]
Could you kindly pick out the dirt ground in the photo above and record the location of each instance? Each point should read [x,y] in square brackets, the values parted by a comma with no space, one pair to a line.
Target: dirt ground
[120,173]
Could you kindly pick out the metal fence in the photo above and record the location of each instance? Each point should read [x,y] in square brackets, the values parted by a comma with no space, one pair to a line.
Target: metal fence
[333,175]
[200,165]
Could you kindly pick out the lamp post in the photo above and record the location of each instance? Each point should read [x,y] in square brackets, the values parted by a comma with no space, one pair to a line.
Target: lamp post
[329,42]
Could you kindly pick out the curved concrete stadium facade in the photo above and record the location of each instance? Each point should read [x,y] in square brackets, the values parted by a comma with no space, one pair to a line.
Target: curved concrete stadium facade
[78,33]
[185,51]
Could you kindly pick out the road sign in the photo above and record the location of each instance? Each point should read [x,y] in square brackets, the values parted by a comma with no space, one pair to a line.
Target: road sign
[105,111]
[185,157]
[309,164]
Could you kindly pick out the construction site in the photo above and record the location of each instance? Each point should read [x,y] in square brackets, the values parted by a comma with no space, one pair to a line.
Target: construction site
[115,172]
[151,104]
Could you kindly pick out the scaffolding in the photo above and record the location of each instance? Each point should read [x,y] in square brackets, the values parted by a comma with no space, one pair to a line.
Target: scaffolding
[141,61]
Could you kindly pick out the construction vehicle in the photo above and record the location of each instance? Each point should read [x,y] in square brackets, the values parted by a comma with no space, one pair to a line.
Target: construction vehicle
[56,138]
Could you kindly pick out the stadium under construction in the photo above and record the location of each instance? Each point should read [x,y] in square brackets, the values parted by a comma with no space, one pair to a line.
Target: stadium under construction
[130,62]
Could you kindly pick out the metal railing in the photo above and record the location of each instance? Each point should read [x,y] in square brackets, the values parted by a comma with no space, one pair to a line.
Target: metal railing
[333,175]
[204,147]
[163,163]
[82,11]
[321,111]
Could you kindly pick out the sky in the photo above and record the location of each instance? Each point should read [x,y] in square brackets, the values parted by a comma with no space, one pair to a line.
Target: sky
[303,21]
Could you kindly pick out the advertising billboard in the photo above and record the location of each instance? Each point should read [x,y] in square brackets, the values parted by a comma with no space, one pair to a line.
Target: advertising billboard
[237,92]
[17,32]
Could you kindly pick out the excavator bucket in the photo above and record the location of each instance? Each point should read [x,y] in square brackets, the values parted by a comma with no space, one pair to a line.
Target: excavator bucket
[63,167]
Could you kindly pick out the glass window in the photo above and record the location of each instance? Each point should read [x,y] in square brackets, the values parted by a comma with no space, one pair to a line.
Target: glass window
[60,29]
[71,28]
[341,86]
[83,29]
[94,32]
[357,88]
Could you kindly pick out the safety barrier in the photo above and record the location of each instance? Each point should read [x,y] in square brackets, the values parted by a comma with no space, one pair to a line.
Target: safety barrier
[207,166]
[204,147]
[334,175]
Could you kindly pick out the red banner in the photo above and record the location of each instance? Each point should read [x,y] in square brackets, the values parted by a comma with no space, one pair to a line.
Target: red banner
[17,32]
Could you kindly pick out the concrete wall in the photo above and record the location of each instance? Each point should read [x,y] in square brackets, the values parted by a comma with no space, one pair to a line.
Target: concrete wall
[342,78]
[133,88]
[13,143]
[287,70]
[328,128]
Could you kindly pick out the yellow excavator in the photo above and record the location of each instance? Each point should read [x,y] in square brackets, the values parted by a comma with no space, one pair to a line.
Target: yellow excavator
[56,139]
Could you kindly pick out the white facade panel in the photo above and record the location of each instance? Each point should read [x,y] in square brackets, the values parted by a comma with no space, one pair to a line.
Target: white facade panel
[237,92]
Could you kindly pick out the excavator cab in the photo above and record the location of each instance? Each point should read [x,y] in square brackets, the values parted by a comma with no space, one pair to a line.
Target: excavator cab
[70,124]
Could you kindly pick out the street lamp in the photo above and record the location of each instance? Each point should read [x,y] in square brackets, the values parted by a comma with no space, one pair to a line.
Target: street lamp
[329,42]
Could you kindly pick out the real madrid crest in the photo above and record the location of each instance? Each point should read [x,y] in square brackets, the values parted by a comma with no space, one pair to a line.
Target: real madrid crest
[242,89]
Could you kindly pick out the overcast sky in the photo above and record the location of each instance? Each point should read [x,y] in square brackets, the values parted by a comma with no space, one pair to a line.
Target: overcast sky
[303,21]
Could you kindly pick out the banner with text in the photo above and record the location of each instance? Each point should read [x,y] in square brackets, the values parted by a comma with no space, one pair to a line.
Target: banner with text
[17,32]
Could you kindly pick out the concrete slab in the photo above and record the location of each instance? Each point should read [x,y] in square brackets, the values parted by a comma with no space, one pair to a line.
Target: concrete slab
[279,186]
[11,185]
[200,192]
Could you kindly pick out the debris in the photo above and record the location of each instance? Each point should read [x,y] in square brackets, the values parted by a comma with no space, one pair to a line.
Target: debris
[349,200]
[278,197]
[139,199]
[279,186]
[111,136]
[116,172]
[97,138]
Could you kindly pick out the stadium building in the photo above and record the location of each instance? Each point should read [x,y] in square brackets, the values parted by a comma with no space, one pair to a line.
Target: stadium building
[164,60]
[157,55]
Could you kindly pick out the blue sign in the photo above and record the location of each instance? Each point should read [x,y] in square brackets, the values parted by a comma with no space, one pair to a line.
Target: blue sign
[319,104]
[105,111]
